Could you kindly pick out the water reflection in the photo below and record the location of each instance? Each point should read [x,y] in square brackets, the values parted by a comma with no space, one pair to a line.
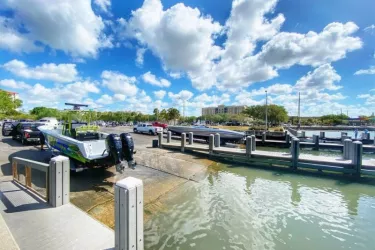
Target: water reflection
[243,208]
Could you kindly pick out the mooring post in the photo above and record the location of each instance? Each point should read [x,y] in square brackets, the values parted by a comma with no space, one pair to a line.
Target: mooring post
[169,137]
[303,134]
[217,140]
[59,181]
[316,142]
[253,143]
[263,138]
[357,159]
[191,138]
[248,146]
[129,214]
[160,137]
[322,135]
[295,153]
[287,140]
[211,143]
[183,142]
[347,148]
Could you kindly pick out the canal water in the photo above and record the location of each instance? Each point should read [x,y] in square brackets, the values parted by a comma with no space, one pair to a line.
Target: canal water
[337,134]
[238,207]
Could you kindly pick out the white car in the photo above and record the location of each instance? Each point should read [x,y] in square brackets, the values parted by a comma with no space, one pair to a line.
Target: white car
[147,128]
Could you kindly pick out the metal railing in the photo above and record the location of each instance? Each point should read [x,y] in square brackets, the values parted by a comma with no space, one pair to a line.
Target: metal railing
[29,164]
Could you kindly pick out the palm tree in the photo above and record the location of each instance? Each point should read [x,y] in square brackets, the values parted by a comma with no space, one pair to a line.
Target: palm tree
[173,114]
[156,113]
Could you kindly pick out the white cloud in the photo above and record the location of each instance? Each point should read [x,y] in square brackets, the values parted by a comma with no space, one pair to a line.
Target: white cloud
[160,94]
[119,83]
[151,79]
[213,100]
[363,96]
[276,89]
[323,77]
[183,95]
[370,29]
[46,71]
[286,49]
[67,25]
[14,41]
[119,97]
[105,100]
[10,83]
[370,71]
[104,5]
[140,56]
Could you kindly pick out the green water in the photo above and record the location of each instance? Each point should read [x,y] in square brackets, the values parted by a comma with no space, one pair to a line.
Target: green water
[238,207]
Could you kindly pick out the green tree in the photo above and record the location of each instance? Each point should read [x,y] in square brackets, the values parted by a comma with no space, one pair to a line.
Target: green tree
[173,114]
[7,104]
[156,113]
[163,115]
[275,113]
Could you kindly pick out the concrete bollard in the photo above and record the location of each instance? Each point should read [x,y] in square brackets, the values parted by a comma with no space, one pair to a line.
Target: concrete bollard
[217,140]
[347,148]
[59,181]
[357,157]
[169,137]
[211,143]
[248,146]
[303,134]
[160,137]
[253,143]
[316,142]
[287,140]
[191,138]
[295,153]
[129,214]
[264,138]
[322,135]
[183,142]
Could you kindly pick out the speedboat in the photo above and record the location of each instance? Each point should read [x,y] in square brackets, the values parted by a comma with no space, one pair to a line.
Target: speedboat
[204,132]
[87,147]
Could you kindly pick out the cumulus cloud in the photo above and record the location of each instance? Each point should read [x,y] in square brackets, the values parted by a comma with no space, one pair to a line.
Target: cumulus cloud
[119,97]
[370,71]
[119,83]
[160,94]
[104,5]
[11,83]
[46,71]
[151,79]
[67,25]
[140,56]
[105,100]
[275,89]
[183,95]
[323,77]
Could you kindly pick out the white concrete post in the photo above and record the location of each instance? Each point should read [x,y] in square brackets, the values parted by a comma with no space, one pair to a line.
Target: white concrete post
[211,143]
[295,152]
[183,142]
[263,137]
[191,138]
[303,134]
[217,140]
[316,142]
[357,157]
[129,214]
[248,146]
[253,143]
[322,135]
[160,137]
[169,137]
[59,181]
[287,139]
[347,148]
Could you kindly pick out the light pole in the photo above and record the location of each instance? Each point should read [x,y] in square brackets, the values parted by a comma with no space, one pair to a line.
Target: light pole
[266,111]
[299,110]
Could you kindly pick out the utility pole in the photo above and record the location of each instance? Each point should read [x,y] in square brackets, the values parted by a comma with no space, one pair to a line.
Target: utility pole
[299,110]
[266,111]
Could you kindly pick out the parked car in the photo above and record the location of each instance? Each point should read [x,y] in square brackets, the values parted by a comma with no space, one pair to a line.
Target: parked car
[159,124]
[147,128]
[26,132]
[7,128]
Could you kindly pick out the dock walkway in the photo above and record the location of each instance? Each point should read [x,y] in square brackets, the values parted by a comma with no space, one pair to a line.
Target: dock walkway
[35,225]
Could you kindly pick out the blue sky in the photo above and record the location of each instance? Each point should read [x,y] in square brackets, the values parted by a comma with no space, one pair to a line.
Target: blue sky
[139,55]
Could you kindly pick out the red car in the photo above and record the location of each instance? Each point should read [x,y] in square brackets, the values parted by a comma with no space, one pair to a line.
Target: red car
[159,124]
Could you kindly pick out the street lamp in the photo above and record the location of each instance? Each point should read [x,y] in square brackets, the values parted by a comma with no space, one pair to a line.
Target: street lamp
[266,111]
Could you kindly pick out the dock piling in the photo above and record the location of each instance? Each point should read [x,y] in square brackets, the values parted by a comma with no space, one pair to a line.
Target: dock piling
[248,146]
[129,214]
[217,140]
[287,140]
[169,137]
[295,153]
[322,135]
[191,138]
[183,142]
[357,157]
[211,143]
[160,137]
[303,134]
[59,181]
[347,148]
[316,142]
[253,143]
[263,138]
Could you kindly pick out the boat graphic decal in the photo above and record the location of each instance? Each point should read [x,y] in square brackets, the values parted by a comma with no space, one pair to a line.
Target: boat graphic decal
[70,150]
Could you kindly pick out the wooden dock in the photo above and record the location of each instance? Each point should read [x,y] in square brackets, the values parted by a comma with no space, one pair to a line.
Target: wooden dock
[355,165]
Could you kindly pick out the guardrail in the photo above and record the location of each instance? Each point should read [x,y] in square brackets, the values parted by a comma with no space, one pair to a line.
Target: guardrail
[57,178]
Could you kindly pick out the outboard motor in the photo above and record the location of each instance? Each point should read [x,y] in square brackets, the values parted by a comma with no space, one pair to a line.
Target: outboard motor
[115,150]
[128,149]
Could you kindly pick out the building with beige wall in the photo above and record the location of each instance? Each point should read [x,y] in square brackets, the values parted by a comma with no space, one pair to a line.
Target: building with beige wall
[222,109]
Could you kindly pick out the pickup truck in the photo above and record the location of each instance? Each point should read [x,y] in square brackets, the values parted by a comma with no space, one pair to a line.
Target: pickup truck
[7,128]
[159,124]
[26,132]
[147,128]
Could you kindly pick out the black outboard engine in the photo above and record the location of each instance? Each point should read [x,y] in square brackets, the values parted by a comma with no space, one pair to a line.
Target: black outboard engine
[128,149]
[115,148]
